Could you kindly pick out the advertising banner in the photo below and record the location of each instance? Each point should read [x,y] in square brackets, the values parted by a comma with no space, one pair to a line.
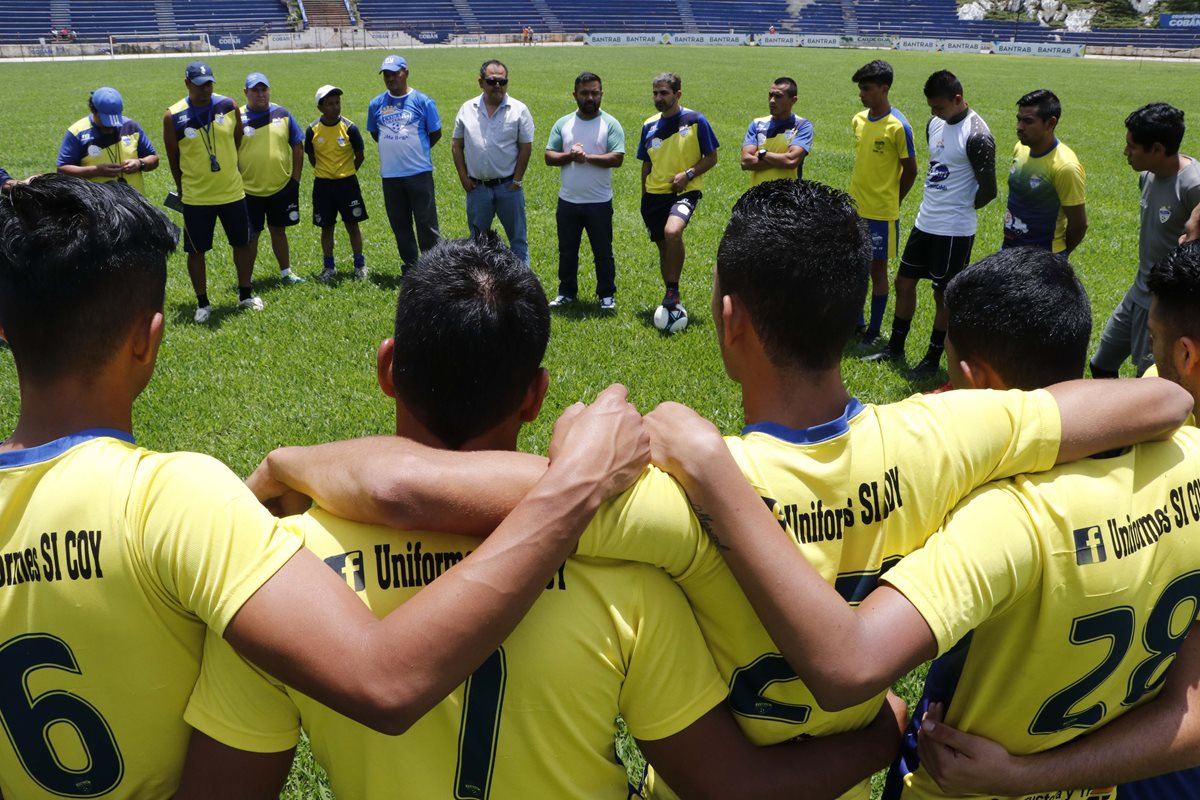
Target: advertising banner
[777,40]
[1060,50]
[626,38]
[960,45]
[827,40]
[1179,20]
[710,38]
[909,43]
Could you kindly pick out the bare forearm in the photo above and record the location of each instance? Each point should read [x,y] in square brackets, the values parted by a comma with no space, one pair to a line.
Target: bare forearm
[393,481]
[523,152]
[1100,416]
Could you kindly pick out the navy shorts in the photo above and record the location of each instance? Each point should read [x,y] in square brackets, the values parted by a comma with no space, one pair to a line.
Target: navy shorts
[656,208]
[938,258]
[279,210]
[333,196]
[199,222]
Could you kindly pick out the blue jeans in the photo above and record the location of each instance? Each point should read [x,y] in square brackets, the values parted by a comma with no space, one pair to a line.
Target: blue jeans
[486,202]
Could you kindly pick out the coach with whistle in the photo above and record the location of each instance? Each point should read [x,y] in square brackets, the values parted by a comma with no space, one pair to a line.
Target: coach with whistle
[493,137]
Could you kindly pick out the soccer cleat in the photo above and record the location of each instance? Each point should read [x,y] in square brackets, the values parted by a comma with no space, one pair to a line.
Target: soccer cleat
[252,303]
[868,343]
[291,279]
[608,304]
[202,314]
[562,300]
[360,273]
[670,299]
[886,354]
[926,368]
[327,274]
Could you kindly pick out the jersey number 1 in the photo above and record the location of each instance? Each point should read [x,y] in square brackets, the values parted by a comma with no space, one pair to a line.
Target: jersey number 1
[480,728]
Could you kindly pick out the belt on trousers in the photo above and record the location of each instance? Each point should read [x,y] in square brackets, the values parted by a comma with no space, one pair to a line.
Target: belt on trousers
[493,181]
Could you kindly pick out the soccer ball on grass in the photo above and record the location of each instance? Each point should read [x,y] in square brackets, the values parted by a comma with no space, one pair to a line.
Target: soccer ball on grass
[671,320]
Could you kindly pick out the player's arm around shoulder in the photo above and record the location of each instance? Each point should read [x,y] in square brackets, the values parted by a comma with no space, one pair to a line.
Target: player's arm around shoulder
[1105,415]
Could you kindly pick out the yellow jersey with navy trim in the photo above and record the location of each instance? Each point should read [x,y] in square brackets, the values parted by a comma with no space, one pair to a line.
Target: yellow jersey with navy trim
[879,146]
[113,562]
[1039,186]
[265,155]
[1086,576]
[333,148]
[536,720]
[779,136]
[854,495]
[86,145]
[205,133]
[673,145]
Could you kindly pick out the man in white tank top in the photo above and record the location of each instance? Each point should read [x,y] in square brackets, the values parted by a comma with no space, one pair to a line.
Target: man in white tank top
[961,179]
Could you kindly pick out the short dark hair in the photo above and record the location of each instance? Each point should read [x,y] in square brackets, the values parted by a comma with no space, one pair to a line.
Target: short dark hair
[669,78]
[1023,311]
[79,263]
[943,83]
[1045,101]
[1175,283]
[491,62]
[797,255]
[789,84]
[472,325]
[1157,122]
[877,71]
[588,77]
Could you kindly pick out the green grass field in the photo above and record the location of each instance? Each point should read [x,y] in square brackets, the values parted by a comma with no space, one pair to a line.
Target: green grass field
[302,371]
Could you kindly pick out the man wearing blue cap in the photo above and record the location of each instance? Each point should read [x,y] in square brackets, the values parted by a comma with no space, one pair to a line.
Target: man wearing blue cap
[271,158]
[105,145]
[201,135]
[406,125]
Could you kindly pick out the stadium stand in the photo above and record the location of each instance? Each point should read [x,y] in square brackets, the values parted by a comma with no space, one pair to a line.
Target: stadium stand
[26,21]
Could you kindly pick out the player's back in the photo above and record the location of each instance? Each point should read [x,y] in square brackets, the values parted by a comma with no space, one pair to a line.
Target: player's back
[101,598]
[537,720]
[855,495]
[1060,599]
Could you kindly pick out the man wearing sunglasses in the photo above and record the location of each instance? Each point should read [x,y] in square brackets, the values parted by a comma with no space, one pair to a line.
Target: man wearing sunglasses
[493,137]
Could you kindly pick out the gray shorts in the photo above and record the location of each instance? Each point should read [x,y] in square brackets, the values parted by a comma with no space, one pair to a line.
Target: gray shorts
[1125,336]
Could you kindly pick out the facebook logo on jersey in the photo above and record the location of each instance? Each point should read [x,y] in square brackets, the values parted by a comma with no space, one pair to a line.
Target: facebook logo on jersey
[350,567]
[1089,546]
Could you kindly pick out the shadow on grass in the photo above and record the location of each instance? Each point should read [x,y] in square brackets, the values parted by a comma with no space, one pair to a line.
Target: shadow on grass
[583,310]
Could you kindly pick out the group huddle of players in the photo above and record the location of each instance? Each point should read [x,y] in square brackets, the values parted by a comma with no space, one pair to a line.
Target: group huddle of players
[744,604]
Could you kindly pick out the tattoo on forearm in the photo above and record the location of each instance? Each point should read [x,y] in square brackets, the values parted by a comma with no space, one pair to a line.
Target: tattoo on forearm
[706,525]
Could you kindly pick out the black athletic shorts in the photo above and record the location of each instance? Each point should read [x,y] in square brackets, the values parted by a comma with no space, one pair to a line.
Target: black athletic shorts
[938,258]
[333,196]
[656,208]
[199,222]
[280,210]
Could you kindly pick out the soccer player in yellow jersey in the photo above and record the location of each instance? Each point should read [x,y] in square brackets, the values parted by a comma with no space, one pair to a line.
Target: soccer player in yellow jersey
[201,135]
[536,720]
[271,157]
[676,147]
[106,145]
[776,145]
[1155,737]
[862,485]
[885,167]
[335,149]
[1045,182]
[1054,602]
[114,559]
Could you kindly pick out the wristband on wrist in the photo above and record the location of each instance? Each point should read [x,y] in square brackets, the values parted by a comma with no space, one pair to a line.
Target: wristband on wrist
[691,174]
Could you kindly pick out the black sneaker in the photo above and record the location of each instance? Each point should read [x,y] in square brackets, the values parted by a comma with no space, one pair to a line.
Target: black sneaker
[869,343]
[670,299]
[926,368]
[562,300]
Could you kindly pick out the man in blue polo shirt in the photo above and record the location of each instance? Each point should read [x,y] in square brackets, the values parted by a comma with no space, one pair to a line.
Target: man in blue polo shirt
[406,125]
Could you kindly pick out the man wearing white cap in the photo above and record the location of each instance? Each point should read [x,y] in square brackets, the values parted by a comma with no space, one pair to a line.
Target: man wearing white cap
[271,158]
[406,125]
[201,135]
[105,145]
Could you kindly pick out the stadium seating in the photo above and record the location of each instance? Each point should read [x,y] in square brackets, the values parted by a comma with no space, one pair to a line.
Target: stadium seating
[24,21]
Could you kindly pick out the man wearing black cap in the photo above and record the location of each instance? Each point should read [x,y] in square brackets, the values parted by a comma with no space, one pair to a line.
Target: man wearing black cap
[406,125]
[201,135]
[271,158]
[105,145]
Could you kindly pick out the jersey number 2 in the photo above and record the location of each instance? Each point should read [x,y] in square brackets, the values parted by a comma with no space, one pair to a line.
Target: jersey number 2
[480,728]
[30,722]
[1160,638]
